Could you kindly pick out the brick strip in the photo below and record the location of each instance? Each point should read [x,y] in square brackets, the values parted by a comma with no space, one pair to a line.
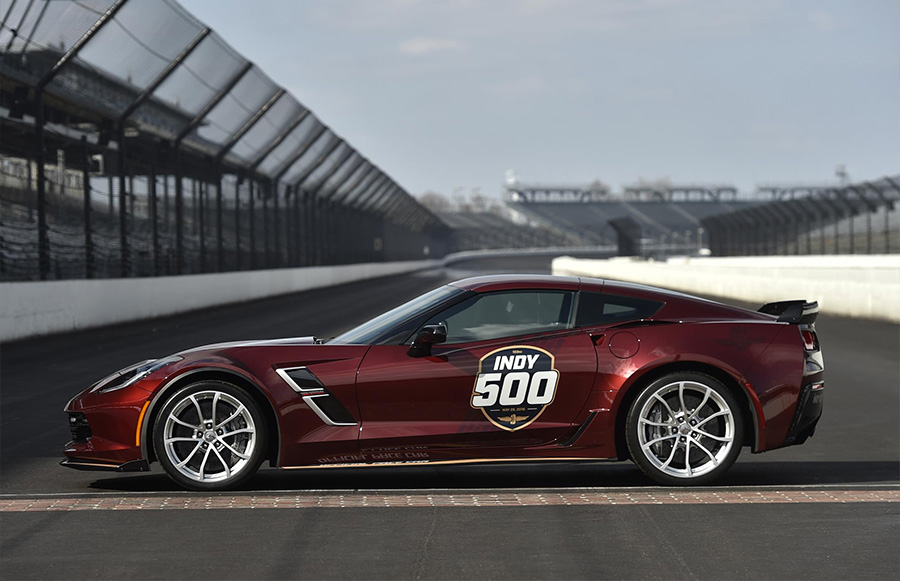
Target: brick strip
[381,500]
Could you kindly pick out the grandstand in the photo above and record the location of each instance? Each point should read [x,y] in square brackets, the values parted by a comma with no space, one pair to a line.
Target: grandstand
[487,230]
[662,214]
[686,218]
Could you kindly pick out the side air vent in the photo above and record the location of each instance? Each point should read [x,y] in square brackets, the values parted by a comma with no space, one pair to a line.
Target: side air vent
[317,396]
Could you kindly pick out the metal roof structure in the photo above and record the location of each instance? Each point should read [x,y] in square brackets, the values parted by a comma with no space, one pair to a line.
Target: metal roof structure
[154,68]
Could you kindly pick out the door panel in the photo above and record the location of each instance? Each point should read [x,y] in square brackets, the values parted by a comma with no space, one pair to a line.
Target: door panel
[430,403]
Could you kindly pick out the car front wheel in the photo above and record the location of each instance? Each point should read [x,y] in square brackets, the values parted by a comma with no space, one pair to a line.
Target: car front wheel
[685,429]
[210,436]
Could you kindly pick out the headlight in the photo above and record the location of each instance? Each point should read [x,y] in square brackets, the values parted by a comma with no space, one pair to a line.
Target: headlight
[125,377]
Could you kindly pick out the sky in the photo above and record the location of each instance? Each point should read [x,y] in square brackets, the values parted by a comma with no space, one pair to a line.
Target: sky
[447,95]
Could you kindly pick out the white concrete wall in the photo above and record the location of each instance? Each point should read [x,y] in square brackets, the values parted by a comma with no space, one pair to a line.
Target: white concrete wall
[852,285]
[29,309]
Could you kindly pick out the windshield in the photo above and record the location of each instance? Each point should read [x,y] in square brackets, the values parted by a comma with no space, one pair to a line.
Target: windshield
[370,331]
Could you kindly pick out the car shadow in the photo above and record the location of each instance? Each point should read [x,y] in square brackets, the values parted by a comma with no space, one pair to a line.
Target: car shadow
[524,475]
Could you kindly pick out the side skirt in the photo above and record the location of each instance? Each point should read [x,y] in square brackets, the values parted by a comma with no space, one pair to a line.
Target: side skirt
[437,462]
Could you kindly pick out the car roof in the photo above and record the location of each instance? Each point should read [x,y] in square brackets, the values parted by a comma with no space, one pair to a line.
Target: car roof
[497,282]
[678,305]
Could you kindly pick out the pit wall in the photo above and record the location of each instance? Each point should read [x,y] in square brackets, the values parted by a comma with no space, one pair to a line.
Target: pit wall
[865,286]
[30,309]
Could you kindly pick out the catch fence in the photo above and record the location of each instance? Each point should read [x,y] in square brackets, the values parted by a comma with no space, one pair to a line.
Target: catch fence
[136,142]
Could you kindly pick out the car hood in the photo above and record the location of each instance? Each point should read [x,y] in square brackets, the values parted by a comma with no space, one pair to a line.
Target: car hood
[288,341]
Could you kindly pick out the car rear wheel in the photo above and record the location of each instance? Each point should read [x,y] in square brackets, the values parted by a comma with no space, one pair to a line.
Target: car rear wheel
[210,436]
[685,429]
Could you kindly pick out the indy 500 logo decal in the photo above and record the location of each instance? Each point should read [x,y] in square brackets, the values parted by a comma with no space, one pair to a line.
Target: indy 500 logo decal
[514,385]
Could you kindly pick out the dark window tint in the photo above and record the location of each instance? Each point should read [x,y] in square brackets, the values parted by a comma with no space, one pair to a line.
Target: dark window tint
[601,309]
[505,314]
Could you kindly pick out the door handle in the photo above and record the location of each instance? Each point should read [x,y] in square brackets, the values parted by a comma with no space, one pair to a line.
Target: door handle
[597,338]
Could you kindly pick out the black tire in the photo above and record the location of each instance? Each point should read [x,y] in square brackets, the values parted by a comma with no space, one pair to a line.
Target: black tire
[685,429]
[202,450]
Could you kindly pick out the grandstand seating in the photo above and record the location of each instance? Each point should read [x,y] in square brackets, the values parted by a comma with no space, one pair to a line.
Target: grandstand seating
[484,230]
[590,220]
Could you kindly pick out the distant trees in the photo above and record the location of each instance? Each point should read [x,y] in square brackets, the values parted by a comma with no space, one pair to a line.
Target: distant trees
[475,202]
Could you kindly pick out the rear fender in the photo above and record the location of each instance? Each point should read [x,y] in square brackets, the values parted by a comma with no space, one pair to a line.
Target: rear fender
[751,408]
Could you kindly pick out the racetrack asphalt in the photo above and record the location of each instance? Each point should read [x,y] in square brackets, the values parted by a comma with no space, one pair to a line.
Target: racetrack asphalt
[856,449]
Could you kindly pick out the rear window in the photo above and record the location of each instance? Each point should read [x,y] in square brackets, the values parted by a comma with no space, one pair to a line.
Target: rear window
[602,309]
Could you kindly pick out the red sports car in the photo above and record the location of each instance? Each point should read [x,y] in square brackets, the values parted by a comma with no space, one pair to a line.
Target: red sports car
[499,368]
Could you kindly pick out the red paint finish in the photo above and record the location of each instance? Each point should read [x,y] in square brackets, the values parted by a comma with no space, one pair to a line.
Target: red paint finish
[426,402]
[417,408]
[624,345]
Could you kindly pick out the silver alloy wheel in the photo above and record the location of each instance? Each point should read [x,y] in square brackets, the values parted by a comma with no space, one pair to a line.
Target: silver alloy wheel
[209,436]
[686,429]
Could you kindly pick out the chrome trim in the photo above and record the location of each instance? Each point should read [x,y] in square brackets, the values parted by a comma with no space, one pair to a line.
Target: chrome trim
[308,394]
[283,372]
[315,407]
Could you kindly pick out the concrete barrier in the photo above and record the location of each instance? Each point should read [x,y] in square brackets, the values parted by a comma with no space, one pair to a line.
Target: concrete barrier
[852,285]
[29,309]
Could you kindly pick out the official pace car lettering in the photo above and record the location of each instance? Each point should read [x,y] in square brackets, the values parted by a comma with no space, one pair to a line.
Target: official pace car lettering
[514,385]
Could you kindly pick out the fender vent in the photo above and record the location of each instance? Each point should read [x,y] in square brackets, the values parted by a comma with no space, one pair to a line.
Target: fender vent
[317,397]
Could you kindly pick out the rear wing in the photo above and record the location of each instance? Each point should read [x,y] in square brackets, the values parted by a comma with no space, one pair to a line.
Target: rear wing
[794,312]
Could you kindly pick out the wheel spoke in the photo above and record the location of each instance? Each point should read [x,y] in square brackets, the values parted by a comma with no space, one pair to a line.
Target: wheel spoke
[660,439]
[657,424]
[702,447]
[702,403]
[233,451]
[687,457]
[215,403]
[203,463]
[714,437]
[669,459]
[222,460]
[199,411]
[715,415]
[189,456]
[185,424]
[681,397]
[240,431]
[170,440]
[665,403]
[232,416]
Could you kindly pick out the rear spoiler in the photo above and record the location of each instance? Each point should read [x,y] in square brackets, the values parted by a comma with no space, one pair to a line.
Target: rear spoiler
[793,312]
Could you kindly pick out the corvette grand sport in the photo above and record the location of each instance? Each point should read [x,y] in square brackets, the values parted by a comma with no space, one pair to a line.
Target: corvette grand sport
[492,368]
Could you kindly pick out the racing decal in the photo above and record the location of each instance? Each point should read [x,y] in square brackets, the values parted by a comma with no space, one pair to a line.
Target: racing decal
[514,385]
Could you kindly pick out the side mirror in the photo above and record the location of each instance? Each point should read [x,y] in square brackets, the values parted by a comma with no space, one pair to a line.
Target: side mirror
[425,338]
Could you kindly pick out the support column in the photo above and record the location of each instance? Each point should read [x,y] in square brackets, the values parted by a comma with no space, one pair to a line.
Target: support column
[219,241]
[179,216]
[123,206]
[237,224]
[154,221]
[200,195]
[43,235]
[86,183]
[252,220]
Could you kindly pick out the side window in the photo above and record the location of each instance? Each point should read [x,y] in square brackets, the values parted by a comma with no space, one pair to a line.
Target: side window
[505,314]
[601,309]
